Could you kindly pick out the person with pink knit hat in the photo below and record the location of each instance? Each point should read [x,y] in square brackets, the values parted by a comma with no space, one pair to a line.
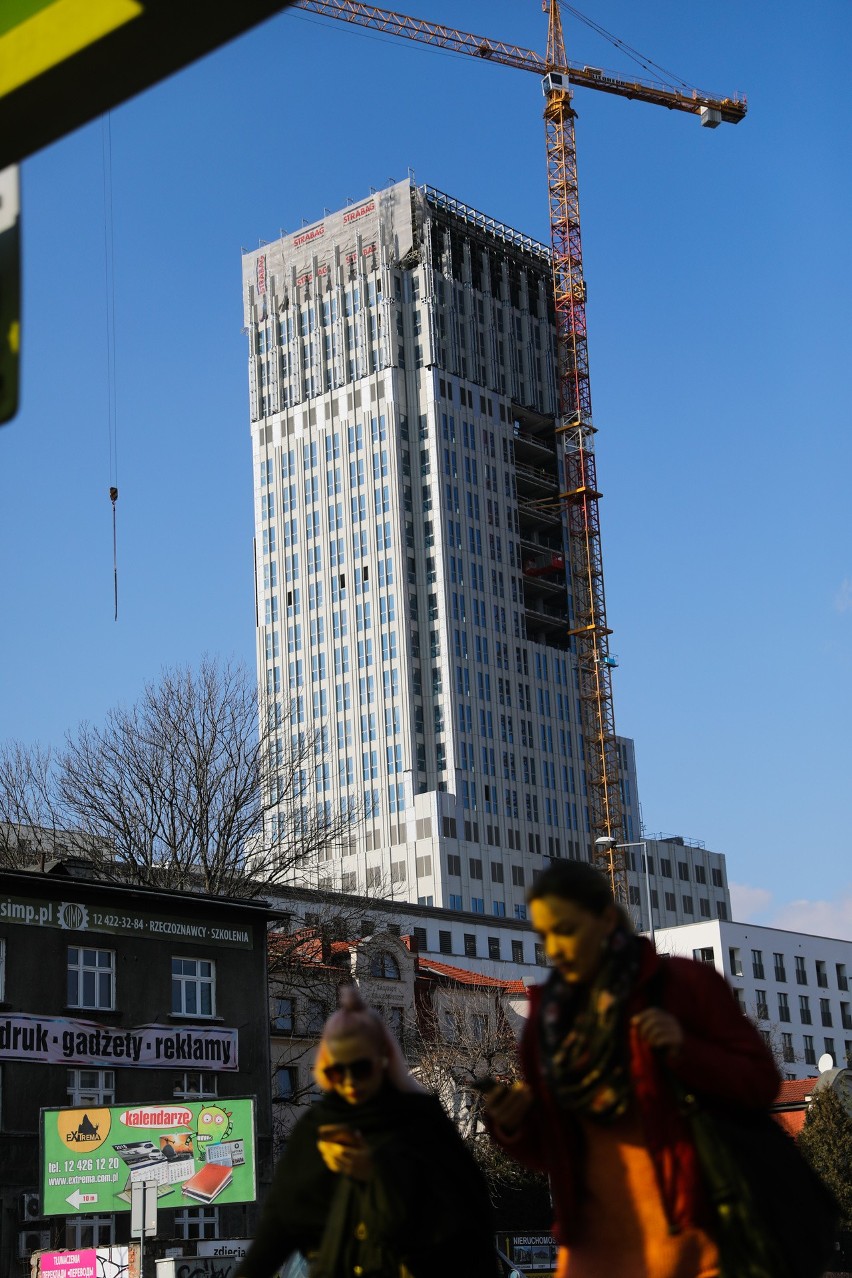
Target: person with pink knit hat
[375,1181]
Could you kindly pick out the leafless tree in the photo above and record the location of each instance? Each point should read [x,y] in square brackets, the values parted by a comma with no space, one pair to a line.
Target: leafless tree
[465,1033]
[30,818]
[180,791]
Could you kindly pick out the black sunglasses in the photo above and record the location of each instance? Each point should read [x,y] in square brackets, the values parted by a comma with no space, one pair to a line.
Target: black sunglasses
[357,1070]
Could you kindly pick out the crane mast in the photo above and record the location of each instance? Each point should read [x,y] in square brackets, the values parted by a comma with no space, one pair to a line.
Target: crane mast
[579,495]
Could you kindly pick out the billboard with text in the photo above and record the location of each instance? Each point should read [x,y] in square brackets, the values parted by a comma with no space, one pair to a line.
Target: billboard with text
[197,1152]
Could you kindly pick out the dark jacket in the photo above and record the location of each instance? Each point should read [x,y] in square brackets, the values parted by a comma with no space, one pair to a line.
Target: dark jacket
[723,1058]
[425,1206]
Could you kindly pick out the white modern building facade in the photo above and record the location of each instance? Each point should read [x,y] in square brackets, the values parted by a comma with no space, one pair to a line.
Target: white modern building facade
[793,985]
[412,600]
[674,881]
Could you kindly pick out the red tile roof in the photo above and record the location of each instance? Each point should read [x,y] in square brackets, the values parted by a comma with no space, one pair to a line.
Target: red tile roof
[465,977]
[790,1108]
[794,1092]
[792,1120]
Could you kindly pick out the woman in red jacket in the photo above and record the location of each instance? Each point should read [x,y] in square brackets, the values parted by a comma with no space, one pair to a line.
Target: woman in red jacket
[596,1110]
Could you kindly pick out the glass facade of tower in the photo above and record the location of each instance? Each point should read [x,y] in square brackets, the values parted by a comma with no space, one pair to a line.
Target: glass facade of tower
[410,557]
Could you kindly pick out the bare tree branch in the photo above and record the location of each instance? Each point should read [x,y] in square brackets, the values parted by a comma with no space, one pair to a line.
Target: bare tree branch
[30,816]
[181,792]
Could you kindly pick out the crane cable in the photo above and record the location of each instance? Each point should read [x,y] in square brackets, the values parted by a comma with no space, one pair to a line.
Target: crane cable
[109,288]
[641,59]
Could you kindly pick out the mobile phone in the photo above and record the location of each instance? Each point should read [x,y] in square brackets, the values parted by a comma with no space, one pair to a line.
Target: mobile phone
[338,1134]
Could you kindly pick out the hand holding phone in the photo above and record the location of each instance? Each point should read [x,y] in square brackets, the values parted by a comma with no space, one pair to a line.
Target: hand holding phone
[344,1150]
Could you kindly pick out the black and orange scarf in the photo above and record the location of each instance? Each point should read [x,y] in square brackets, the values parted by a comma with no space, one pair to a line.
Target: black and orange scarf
[584,1037]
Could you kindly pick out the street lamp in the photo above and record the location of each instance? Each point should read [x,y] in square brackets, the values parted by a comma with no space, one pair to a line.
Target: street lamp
[607,844]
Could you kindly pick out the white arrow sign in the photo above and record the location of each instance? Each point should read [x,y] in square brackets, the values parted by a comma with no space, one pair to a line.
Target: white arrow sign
[77,1199]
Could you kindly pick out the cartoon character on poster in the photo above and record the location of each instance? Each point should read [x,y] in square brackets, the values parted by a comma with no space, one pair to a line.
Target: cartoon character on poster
[212,1125]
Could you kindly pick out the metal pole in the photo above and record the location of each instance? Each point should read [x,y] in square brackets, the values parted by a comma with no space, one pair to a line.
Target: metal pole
[644,847]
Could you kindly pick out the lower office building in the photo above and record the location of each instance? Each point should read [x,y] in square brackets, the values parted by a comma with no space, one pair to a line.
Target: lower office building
[674,880]
[793,985]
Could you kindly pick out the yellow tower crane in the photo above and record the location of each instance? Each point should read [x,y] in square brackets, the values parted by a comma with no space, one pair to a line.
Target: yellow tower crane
[579,494]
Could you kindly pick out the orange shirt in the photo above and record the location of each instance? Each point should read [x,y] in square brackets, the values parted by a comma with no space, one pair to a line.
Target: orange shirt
[622,1227]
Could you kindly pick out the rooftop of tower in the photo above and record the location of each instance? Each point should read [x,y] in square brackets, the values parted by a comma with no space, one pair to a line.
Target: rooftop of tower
[482,222]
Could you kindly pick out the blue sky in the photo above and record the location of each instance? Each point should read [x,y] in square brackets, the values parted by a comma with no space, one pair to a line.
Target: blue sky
[719,277]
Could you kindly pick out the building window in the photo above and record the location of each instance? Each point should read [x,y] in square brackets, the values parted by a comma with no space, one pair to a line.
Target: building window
[842,980]
[193,987]
[479,1026]
[783,1008]
[517,951]
[454,864]
[829,1047]
[420,942]
[91,1087]
[740,997]
[395,1017]
[810,1054]
[89,1231]
[704,955]
[845,1016]
[91,980]
[801,970]
[762,1007]
[735,961]
[315,1014]
[285,1082]
[780,972]
[494,947]
[757,964]
[804,1009]
[825,1011]
[195,1085]
[821,974]
[671,903]
[283,1016]
[540,956]
[787,1048]
[469,945]
[445,942]
[385,965]
[197,1222]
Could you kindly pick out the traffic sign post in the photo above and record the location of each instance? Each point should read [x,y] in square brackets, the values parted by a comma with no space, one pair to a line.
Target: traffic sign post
[143,1214]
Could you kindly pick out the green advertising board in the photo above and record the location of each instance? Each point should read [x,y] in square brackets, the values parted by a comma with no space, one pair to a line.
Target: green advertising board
[197,1152]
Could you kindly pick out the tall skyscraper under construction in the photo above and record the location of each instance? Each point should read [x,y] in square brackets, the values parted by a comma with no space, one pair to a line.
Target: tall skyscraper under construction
[410,546]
